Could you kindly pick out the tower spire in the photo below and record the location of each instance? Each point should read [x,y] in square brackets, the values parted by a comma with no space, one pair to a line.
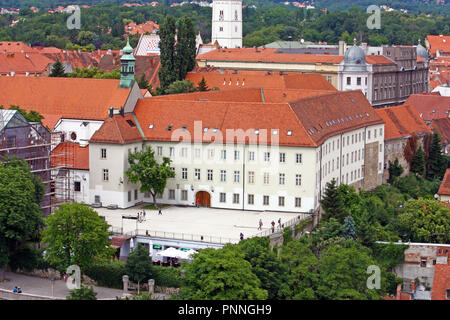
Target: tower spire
[127,64]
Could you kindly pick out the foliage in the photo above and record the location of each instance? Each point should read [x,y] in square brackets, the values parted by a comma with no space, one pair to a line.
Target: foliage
[395,171]
[181,86]
[185,48]
[202,85]
[20,215]
[287,235]
[389,255]
[107,274]
[31,116]
[167,277]
[349,228]
[221,275]
[167,72]
[418,162]
[416,187]
[57,70]
[84,293]
[426,221]
[28,259]
[332,203]
[139,264]
[143,82]
[436,163]
[76,234]
[95,73]
[151,175]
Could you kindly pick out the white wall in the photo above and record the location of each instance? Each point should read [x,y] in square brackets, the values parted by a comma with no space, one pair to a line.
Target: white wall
[227,29]
[84,129]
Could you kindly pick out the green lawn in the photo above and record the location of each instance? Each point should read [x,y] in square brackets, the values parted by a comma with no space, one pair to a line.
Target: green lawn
[152,207]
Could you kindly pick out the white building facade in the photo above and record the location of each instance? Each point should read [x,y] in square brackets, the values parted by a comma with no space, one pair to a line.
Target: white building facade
[227,23]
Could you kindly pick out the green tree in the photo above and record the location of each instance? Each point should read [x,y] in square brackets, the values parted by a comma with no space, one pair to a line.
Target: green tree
[151,175]
[395,171]
[332,202]
[349,228]
[20,216]
[185,48]
[76,234]
[139,265]
[182,86]
[84,293]
[57,70]
[32,116]
[202,85]
[436,162]
[426,221]
[418,162]
[85,38]
[221,274]
[167,71]
[143,82]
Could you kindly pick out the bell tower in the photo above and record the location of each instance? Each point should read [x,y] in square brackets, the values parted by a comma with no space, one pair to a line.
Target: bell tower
[227,23]
[127,62]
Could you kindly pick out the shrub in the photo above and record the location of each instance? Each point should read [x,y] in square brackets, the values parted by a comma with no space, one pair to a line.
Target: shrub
[107,274]
[167,277]
[28,259]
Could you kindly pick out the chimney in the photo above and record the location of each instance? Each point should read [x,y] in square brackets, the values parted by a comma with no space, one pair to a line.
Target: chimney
[341,47]
[111,112]
[122,112]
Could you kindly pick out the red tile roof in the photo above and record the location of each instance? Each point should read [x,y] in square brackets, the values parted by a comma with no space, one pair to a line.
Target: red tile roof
[227,79]
[438,43]
[402,121]
[117,129]
[73,98]
[378,59]
[308,128]
[444,189]
[71,155]
[148,26]
[21,63]
[430,106]
[15,46]
[441,282]
[443,127]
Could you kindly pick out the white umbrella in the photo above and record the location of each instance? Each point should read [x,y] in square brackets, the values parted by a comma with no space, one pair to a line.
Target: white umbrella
[170,253]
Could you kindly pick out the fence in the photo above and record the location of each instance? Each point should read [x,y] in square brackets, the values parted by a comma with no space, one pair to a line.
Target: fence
[289,223]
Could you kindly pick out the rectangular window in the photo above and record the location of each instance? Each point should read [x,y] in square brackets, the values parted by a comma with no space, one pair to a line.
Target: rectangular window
[210,175]
[349,81]
[266,178]
[210,153]
[184,195]
[266,200]
[171,194]
[135,194]
[298,202]
[236,155]
[266,156]
[358,81]
[183,152]
[77,186]
[159,151]
[184,174]
[105,175]
[235,197]
[223,175]
[197,153]
[236,176]
[281,201]
[298,158]
[282,157]
[223,154]
[223,197]
[197,174]
[251,155]
[251,177]
[251,199]
[103,153]
[282,178]
[129,196]
[171,151]
[298,179]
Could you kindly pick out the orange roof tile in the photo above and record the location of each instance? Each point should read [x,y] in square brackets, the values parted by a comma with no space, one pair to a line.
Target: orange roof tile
[21,63]
[401,121]
[444,189]
[438,43]
[73,98]
[227,79]
[443,127]
[15,46]
[117,129]
[441,282]
[430,106]
[50,120]
[71,155]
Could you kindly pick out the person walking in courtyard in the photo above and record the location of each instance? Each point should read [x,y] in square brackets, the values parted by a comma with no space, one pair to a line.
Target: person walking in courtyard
[145,219]
[159,212]
[279,223]
[198,203]
[260,224]
[273,226]
[241,236]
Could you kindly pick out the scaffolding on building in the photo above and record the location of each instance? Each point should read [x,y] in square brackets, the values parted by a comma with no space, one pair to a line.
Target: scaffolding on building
[33,143]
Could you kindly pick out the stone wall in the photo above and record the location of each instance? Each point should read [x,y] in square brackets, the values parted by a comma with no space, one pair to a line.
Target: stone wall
[371,177]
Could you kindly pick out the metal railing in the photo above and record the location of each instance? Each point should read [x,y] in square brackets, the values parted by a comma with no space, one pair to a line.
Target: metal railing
[289,223]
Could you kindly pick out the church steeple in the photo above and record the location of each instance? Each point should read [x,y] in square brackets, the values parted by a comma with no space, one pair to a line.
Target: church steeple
[127,62]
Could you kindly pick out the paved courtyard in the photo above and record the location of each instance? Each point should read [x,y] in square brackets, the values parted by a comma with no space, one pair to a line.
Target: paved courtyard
[197,221]
[42,287]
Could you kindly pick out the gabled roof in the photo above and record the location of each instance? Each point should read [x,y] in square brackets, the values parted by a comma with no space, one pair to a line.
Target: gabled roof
[444,189]
[21,63]
[15,46]
[443,127]
[117,129]
[228,79]
[74,98]
[71,155]
[307,121]
[402,121]
[441,43]
[430,106]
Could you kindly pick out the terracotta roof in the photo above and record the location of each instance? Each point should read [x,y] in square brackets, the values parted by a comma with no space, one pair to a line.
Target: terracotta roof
[74,98]
[149,65]
[15,46]
[443,127]
[266,55]
[21,63]
[378,59]
[228,79]
[148,26]
[430,106]
[71,155]
[441,281]
[444,189]
[50,120]
[117,129]
[402,121]
[438,43]
[310,119]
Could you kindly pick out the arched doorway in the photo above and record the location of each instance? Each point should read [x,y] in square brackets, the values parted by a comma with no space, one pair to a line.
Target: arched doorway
[204,198]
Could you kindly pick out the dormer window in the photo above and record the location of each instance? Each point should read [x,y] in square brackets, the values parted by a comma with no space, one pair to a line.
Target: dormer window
[169,128]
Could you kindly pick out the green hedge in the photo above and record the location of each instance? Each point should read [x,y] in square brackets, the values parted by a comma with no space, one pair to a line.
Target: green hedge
[107,274]
[28,259]
[167,276]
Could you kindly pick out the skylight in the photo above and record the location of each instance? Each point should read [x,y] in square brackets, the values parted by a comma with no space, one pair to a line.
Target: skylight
[289,133]
[151,126]
[169,128]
